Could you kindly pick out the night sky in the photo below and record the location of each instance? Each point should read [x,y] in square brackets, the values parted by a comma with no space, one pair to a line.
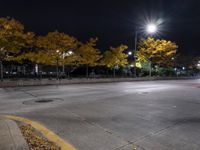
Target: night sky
[113,21]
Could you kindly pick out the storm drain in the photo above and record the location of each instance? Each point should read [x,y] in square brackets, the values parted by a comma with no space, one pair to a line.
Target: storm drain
[143,93]
[44,101]
[39,101]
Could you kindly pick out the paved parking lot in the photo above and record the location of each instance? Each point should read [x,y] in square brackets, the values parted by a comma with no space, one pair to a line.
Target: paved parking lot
[152,115]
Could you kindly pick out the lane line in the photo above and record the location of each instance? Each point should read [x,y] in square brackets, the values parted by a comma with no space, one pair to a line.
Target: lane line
[64,145]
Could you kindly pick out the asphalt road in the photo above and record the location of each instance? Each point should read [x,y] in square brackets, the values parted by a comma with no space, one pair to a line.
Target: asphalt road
[153,115]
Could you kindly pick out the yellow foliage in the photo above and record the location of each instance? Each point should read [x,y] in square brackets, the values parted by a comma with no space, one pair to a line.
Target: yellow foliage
[157,51]
[53,48]
[115,57]
[13,39]
[87,54]
[138,65]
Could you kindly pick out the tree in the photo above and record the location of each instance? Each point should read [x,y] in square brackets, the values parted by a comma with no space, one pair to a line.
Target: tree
[115,57]
[13,40]
[88,55]
[159,52]
[57,46]
[54,49]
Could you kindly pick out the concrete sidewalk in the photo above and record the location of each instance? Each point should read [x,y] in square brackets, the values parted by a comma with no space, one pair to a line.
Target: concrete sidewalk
[10,136]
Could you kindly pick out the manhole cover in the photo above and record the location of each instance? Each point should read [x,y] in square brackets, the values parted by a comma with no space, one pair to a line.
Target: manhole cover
[44,101]
[143,92]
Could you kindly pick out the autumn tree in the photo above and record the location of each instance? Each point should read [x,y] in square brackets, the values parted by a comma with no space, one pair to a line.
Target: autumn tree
[13,39]
[115,57]
[54,49]
[88,54]
[158,52]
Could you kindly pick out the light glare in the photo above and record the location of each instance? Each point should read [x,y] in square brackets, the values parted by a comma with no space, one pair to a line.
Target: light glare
[129,53]
[151,28]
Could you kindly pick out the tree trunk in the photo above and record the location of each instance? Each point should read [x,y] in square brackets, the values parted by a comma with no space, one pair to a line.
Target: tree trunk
[40,71]
[63,69]
[135,70]
[87,73]
[114,72]
[107,72]
[1,65]
[68,71]
[150,69]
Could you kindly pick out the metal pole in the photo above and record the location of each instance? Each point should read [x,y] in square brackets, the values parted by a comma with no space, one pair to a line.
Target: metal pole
[63,71]
[57,69]
[136,39]
[114,72]
[63,67]
[1,64]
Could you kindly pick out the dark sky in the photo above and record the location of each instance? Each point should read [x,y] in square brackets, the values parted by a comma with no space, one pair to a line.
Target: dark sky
[113,21]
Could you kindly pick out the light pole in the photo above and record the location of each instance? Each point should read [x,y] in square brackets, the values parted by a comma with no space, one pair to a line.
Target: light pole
[151,29]
[135,49]
[1,65]
[66,54]
[57,69]
[130,55]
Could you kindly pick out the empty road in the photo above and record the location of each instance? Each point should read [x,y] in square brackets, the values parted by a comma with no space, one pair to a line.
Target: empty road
[151,115]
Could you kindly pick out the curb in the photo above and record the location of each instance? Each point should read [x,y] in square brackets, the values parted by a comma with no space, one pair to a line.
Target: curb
[46,82]
[51,136]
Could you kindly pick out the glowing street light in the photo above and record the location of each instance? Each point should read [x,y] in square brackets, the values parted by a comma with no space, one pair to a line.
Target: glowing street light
[69,53]
[130,53]
[131,65]
[57,65]
[151,28]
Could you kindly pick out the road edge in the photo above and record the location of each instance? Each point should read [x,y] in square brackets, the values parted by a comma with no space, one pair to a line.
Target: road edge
[50,135]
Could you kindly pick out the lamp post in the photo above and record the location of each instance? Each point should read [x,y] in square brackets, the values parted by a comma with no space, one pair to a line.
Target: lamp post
[1,65]
[135,49]
[57,69]
[151,28]
[66,54]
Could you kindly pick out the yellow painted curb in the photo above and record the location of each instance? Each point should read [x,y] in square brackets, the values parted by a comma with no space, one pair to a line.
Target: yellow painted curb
[46,132]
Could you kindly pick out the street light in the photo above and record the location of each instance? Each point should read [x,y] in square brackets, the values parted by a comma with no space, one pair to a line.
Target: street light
[57,69]
[129,53]
[66,54]
[70,52]
[131,65]
[151,28]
